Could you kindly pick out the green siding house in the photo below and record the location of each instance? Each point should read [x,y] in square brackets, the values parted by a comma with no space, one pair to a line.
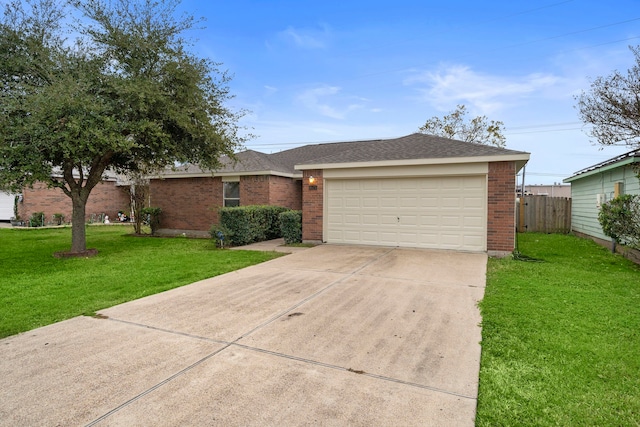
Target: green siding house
[598,184]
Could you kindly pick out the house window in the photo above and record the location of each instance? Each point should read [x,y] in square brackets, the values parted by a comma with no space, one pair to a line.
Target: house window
[231,194]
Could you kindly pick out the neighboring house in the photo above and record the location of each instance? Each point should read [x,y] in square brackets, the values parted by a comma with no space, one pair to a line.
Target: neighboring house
[107,198]
[598,184]
[414,191]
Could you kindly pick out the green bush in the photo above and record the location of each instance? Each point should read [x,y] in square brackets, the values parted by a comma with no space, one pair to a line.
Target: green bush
[620,219]
[291,226]
[249,224]
[37,219]
[221,235]
[152,216]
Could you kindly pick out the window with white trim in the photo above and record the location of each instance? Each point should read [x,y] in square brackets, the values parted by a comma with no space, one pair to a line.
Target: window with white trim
[231,194]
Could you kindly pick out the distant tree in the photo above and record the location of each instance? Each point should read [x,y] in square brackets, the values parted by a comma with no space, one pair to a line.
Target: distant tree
[455,125]
[612,106]
[125,96]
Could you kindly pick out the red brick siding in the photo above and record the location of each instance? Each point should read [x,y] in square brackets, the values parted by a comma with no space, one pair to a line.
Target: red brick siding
[254,190]
[285,192]
[105,198]
[187,203]
[312,206]
[501,206]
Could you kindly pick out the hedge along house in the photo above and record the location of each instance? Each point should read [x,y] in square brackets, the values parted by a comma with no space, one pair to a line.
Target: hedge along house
[414,191]
[597,184]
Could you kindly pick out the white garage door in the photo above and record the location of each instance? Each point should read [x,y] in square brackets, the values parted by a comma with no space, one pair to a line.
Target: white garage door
[6,206]
[427,212]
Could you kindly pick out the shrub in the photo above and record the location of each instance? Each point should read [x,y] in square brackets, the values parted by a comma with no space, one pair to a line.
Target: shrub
[221,235]
[248,224]
[620,219]
[152,216]
[37,219]
[291,226]
[58,218]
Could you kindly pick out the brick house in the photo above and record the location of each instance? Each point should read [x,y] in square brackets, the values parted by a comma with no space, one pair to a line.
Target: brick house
[107,198]
[414,191]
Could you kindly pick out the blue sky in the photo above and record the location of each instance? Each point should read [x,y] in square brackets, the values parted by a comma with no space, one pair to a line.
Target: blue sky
[327,71]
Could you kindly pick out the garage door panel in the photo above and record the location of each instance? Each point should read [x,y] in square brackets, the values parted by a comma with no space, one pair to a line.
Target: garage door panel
[408,220]
[370,220]
[430,212]
[388,219]
[369,202]
[451,221]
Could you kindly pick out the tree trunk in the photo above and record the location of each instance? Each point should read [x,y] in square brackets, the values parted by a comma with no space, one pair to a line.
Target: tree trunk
[78,230]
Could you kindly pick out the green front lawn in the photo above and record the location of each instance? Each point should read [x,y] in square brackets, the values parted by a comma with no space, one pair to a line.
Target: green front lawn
[561,338]
[37,289]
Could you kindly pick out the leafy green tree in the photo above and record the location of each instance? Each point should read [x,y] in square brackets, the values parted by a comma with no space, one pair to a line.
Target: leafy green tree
[125,96]
[612,107]
[620,219]
[455,125]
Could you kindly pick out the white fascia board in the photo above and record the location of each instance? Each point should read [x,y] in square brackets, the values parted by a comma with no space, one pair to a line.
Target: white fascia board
[216,174]
[521,159]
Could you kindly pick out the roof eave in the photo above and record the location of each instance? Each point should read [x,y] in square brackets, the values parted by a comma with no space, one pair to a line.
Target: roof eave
[595,171]
[227,173]
[521,159]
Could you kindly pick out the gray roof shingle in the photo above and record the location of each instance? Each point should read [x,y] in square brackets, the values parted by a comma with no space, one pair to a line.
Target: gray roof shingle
[414,146]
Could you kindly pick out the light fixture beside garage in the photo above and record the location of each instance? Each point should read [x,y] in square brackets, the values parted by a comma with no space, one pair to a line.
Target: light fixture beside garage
[312,183]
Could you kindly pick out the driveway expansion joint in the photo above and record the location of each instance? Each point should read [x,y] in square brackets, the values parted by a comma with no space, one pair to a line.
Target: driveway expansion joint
[351,370]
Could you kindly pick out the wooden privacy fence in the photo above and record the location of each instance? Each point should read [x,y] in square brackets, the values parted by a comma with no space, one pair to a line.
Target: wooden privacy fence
[544,214]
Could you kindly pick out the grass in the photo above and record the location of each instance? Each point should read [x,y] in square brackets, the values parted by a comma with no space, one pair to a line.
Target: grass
[561,338]
[37,289]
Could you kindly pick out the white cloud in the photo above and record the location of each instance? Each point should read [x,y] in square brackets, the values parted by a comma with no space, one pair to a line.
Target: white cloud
[318,100]
[306,38]
[269,90]
[483,93]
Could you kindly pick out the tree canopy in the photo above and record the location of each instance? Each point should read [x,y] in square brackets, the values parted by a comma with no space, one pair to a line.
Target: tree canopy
[124,95]
[612,106]
[455,125]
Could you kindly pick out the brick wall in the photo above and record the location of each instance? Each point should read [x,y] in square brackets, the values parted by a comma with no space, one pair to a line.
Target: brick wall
[501,207]
[105,198]
[193,203]
[312,206]
[254,190]
[187,203]
[285,192]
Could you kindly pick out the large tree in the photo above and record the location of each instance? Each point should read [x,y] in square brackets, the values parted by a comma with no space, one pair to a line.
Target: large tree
[124,95]
[612,106]
[455,125]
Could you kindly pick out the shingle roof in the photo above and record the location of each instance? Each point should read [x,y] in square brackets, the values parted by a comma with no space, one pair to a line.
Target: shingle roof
[414,146]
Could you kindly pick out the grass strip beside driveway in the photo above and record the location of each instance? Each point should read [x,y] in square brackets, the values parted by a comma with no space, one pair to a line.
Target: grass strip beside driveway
[37,289]
[561,338]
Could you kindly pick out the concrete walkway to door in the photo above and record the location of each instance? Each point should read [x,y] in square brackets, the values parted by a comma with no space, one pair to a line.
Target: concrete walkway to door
[333,335]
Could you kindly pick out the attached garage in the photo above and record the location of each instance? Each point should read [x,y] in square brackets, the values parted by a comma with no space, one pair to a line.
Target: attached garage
[425,212]
[6,206]
[418,191]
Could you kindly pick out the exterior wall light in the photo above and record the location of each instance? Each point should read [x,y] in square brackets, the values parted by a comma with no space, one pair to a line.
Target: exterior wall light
[312,180]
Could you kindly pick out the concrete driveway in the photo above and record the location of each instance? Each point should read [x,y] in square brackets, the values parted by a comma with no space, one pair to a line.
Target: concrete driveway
[333,335]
